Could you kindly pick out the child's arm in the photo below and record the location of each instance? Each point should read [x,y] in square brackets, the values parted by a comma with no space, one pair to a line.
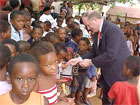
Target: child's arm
[46,102]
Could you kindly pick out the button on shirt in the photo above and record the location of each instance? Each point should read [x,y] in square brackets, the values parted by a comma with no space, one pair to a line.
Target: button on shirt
[17,36]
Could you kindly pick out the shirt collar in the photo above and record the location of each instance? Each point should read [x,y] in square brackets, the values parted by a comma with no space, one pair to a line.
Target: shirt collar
[73,41]
[101,25]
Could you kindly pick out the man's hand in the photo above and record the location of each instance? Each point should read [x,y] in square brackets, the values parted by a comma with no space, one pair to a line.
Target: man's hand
[74,61]
[86,63]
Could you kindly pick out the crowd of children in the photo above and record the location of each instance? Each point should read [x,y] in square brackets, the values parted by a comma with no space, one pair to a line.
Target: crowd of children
[34,49]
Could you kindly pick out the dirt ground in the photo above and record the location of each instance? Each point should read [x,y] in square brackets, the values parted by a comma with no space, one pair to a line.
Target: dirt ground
[96,100]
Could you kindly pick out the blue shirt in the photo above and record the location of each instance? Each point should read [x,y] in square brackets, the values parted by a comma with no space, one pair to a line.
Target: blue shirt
[17,36]
[91,72]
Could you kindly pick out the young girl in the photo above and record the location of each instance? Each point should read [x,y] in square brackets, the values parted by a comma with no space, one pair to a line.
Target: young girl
[45,54]
[46,83]
[85,75]
[22,74]
[125,93]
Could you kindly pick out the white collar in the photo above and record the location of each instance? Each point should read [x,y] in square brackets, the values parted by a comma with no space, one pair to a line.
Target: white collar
[101,25]
[73,41]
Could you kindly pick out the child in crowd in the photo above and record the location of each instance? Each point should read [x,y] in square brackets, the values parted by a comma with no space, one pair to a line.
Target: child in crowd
[59,22]
[125,93]
[17,23]
[76,36]
[61,34]
[5,56]
[52,38]
[47,27]
[22,74]
[84,76]
[12,45]
[37,32]
[24,46]
[45,54]
[67,72]
[5,30]
[129,43]
[61,53]
[74,25]
[27,25]
[69,21]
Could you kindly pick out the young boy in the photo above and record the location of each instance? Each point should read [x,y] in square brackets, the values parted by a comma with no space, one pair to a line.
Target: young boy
[22,74]
[47,27]
[37,32]
[12,45]
[76,36]
[61,34]
[5,56]
[17,23]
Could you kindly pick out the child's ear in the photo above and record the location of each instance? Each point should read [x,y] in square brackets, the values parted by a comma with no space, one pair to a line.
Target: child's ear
[8,78]
[3,35]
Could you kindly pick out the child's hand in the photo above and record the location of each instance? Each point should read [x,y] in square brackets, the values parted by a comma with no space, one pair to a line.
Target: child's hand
[93,79]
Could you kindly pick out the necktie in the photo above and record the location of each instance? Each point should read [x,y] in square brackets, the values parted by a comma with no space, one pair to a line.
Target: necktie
[99,35]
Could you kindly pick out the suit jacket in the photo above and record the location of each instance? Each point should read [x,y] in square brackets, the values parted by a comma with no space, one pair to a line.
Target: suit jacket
[111,53]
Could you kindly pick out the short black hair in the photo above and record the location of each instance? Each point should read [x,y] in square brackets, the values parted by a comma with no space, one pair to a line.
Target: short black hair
[59,47]
[4,25]
[21,58]
[41,48]
[46,9]
[12,42]
[72,26]
[34,43]
[23,46]
[76,32]
[48,23]
[68,18]
[36,22]
[51,36]
[5,55]
[15,13]
[133,63]
[38,26]
[59,17]
[14,3]
[86,40]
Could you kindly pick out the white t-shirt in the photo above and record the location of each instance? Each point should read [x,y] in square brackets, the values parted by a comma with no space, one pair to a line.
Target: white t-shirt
[45,17]
[4,87]
[130,46]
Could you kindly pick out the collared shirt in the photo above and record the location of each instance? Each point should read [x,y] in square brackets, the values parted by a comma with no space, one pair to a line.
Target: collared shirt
[100,29]
[17,36]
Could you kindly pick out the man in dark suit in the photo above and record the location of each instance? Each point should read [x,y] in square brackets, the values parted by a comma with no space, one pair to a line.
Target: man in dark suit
[108,52]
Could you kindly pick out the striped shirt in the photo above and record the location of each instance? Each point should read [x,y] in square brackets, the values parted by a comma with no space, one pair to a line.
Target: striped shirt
[50,94]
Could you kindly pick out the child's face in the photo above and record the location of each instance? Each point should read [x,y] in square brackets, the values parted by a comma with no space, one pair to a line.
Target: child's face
[62,34]
[59,22]
[43,26]
[78,37]
[23,79]
[83,46]
[37,33]
[69,56]
[61,56]
[70,21]
[18,22]
[28,22]
[7,34]
[48,64]
[12,49]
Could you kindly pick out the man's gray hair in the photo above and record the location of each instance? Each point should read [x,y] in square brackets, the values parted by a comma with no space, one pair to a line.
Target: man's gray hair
[93,15]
